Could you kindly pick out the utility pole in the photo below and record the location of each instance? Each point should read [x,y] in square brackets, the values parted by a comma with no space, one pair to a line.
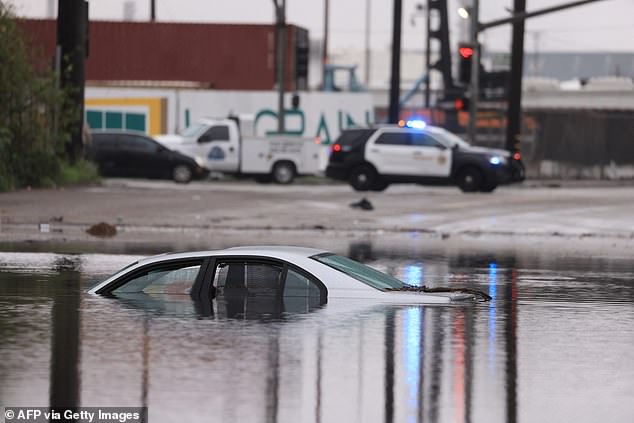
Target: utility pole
[514,124]
[475,73]
[72,40]
[395,80]
[324,53]
[367,42]
[428,57]
[152,10]
[280,22]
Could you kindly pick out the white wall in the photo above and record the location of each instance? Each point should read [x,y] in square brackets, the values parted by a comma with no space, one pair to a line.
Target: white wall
[319,114]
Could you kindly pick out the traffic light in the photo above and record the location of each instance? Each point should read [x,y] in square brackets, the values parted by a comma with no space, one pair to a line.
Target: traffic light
[301,53]
[301,61]
[464,66]
[462,104]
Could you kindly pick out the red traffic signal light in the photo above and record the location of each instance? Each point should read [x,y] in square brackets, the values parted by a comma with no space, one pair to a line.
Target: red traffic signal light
[466,52]
[464,64]
[461,103]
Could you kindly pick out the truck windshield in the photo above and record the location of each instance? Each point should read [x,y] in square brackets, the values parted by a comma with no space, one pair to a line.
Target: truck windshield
[360,272]
[193,130]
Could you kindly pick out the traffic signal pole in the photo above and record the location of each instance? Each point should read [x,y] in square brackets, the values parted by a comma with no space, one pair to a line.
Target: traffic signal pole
[514,104]
[395,80]
[474,91]
[428,57]
[280,25]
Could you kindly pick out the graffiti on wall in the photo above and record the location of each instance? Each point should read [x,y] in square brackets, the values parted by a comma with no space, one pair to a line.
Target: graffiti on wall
[295,123]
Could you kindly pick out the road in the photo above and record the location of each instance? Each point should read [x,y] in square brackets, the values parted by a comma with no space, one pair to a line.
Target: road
[598,218]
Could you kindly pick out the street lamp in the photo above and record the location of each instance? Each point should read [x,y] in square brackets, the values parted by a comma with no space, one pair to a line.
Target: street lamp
[464,12]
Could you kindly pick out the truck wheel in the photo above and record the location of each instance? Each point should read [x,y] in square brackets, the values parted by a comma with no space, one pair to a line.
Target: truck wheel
[283,173]
[362,178]
[469,179]
[182,174]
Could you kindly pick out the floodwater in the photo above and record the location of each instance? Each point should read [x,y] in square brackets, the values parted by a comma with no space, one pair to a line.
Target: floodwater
[556,344]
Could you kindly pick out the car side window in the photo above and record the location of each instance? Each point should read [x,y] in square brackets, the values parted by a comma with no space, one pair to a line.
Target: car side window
[176,278]
[393,138]
[299,285]
[423,140]
[138,144]
[104,142]
[250,277]
[215,133]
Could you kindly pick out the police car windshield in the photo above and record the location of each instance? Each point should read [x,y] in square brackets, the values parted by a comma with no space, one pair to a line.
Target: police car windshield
[448,138]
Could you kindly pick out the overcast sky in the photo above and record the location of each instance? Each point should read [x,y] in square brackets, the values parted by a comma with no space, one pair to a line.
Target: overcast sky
[604,26]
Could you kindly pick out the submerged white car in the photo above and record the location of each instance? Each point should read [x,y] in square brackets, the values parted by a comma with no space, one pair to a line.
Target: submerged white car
[279,272]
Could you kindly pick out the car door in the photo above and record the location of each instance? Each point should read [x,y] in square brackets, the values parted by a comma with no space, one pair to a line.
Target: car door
[434,157]
[143,157]
[389,152]
[250,286]
[408,153]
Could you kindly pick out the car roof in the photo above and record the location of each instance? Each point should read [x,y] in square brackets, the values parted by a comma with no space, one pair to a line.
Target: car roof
[274,251]
[118,131]
[286,253]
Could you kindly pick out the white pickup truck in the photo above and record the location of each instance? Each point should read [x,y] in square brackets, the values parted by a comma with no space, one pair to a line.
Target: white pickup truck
[230,146]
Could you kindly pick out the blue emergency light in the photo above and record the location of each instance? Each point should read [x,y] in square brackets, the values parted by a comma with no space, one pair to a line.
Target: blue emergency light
[416,124]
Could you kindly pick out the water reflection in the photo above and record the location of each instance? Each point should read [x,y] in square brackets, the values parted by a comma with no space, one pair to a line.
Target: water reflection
[515,358]
[65,339]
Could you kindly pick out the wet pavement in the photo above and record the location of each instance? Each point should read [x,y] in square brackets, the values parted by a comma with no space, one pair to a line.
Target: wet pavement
[554,344]
[153,215]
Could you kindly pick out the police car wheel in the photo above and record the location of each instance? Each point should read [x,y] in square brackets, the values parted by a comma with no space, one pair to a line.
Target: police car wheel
[182,174]
[362,178]
[469,179]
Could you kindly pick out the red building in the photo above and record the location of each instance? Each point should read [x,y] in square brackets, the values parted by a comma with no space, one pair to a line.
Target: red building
[218,56]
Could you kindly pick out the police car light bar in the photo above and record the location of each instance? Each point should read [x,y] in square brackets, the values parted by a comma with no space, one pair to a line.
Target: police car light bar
[413,123]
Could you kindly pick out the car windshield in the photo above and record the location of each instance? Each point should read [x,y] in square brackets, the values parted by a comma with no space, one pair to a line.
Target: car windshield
[193,130]
[448,139]
[361,272]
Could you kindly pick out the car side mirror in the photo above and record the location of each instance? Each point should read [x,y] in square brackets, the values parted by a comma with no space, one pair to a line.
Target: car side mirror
[455,147]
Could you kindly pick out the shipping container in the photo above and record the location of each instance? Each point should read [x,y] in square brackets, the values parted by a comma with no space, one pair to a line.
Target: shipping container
[217,56]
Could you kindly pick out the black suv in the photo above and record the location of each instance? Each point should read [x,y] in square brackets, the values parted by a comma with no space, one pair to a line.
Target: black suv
[131,154]
[373,158]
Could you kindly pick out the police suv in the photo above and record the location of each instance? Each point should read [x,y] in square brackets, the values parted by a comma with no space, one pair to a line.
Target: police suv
[413,152]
